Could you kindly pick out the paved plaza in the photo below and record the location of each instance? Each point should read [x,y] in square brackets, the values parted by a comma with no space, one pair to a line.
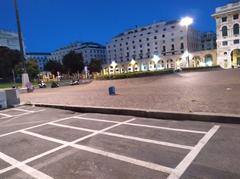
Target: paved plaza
[209,91]
[49,143]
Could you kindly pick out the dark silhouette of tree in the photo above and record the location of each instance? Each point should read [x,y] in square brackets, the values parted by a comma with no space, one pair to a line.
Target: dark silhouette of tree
[73,63]
[53,66]
[95,66]
[9,59]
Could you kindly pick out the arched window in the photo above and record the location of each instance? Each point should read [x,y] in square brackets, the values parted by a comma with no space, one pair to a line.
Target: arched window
[236,29]
[224,31]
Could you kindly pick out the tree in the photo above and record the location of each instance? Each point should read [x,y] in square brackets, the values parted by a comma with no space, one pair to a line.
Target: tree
[73,62]
[53,66]
[31,67]
[9,59]
[95,66]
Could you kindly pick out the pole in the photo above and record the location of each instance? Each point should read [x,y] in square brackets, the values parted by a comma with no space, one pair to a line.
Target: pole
[187,47]
[20,36]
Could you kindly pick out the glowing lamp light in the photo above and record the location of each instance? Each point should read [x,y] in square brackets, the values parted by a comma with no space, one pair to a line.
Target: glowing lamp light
[113,64]
[155,59]
[186,21]
[187,54]
[133,62]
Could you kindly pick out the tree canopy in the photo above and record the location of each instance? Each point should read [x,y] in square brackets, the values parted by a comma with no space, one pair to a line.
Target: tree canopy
[95,66]
[9,59]
[73,62]
[53,66]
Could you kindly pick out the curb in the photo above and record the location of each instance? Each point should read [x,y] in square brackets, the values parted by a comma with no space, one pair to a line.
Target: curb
[166,115]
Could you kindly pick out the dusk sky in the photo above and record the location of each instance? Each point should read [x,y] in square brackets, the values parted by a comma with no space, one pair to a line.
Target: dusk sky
[50,24]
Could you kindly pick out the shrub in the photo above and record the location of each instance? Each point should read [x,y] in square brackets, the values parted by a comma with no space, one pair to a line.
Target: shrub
[134,74]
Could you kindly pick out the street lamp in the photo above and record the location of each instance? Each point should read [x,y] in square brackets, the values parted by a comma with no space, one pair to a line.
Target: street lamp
[114,64]
[25,78]
[156,59]
[186,22]
[133,62]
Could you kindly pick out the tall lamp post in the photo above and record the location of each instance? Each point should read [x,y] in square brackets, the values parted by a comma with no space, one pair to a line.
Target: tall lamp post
[25,78]
[186,21]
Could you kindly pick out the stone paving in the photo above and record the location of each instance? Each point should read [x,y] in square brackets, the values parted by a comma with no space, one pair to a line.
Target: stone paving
[210,91]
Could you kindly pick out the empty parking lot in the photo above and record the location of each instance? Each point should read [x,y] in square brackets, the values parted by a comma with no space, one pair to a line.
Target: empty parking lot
[49,143]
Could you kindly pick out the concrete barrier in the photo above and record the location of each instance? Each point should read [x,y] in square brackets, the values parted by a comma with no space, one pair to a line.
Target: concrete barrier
[167,115]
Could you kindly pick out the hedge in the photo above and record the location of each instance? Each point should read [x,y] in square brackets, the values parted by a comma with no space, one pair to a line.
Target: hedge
[201,68]
[134,74]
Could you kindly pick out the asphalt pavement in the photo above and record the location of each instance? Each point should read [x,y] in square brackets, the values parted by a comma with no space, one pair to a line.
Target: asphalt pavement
[49,143]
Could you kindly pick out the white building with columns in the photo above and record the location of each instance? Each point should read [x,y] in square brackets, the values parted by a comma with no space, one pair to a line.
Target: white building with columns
[228,36]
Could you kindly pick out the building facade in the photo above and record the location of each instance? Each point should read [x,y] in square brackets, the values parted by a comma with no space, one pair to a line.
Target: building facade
[208,41]
[40,57]
[9,39]
[162,39]
[228,36]
[160,46]
[89,51]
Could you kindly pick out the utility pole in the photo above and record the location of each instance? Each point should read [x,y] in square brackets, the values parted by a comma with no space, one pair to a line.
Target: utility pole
[25,78]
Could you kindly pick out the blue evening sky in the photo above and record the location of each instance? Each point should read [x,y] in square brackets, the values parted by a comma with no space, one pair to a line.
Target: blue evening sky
[50,24]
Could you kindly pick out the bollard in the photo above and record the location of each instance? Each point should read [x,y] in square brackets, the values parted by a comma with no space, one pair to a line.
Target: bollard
[111,91]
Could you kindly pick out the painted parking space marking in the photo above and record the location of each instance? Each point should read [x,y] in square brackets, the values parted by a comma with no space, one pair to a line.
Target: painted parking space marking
[173,172]
[32,127]
[130,137]
[145,164]
[147,126]
[186,162]
[99,120]
[5,115]
[65,144]
[25,168]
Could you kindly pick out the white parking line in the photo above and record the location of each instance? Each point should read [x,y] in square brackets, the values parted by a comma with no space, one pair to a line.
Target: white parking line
[128,137]
[66,144]
[23,167]
[5,115]
[99,120]
[186,162]
[147,126]
[32,127]
[22,110]
[137,162]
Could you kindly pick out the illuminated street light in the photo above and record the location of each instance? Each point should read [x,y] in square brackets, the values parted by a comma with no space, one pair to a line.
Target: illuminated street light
[113,64]
[132,63]
[186,22]
[155,59]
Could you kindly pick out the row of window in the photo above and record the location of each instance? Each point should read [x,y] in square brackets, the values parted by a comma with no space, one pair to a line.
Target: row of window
[235,17]
[144,29]
[235,30]
[140,40]
[141,46]
[155,37]
[225,43]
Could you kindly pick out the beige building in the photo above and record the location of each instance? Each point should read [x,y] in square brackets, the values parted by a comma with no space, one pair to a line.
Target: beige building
[228,36]
[197,59]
